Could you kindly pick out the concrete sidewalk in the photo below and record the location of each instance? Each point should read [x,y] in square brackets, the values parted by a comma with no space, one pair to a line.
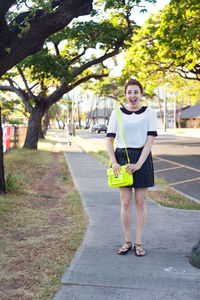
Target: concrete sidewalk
[185,132]
[97,272]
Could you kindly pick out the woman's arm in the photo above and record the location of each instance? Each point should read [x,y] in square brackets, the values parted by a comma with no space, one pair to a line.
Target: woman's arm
[145,152]
[109,145]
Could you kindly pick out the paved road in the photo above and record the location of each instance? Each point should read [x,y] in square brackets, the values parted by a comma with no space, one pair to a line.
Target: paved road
[176,159]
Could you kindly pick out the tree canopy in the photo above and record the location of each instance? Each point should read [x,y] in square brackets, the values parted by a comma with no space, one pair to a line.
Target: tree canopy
[70,57]
[107,87]
[168,42]
[24,25]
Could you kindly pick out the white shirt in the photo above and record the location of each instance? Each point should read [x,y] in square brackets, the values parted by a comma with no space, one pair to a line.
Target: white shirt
[136,126]
[70,129]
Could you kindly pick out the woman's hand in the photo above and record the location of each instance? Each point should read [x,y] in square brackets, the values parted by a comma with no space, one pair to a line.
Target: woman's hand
[116,168]
[131,168]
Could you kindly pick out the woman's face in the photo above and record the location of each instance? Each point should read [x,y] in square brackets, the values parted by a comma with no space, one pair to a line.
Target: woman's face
[133,96]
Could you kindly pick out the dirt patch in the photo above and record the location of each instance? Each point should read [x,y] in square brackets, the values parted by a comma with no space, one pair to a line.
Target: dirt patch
[37,240]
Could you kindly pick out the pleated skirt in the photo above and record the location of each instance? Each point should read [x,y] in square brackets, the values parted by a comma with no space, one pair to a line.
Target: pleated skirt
[142,178]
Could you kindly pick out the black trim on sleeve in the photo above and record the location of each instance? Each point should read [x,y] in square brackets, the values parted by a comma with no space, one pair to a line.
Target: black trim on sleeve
[110,134]
[154,133]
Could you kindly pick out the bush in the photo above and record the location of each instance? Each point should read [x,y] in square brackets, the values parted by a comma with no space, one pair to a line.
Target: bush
[12,183]
[195,259]
[16,122]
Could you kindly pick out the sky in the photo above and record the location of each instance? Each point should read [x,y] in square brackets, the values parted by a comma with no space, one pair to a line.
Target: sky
[140,18]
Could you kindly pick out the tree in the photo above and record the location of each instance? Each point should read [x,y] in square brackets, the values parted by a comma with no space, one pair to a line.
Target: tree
[168,42]
[10,106]
[69,67]
[23,33]
[24,30]
[106,87]
[2,180]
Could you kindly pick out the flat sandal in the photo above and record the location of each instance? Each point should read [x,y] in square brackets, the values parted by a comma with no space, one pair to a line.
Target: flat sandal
[125,248]
[138,250]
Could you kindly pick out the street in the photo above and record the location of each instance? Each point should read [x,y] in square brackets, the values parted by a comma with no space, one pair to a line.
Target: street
[176,160]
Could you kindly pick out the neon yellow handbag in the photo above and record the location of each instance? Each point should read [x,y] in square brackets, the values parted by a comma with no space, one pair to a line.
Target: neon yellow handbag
[123,178]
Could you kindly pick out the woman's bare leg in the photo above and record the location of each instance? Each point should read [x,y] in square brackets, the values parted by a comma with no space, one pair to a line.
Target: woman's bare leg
[126,197]
[141,214]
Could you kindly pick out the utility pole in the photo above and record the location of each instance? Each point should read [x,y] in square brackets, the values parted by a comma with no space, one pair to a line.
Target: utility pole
[73,123]
[2,180]
[174,109]
[165,109]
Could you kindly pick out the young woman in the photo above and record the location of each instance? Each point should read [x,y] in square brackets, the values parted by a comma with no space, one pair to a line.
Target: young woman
[139,125]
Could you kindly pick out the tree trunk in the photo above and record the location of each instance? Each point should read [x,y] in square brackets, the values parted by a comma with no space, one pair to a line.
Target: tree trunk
[2,180]
[174,110]
[41,133]
[57,119]
[179,118]
[88,121]
[34,124]
[159,104]
[179,114]
[79,114]
[45,122]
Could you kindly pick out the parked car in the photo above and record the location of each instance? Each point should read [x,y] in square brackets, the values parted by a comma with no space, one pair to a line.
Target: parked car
[98,128]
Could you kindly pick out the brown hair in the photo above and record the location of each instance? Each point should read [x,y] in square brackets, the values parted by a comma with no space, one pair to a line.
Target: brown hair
[133,82]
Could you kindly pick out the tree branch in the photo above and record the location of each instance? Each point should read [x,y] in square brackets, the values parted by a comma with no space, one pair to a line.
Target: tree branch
[88,77]
[5,5]
[4,31]
[78,56]
[20,93]
[184,75]
[96,61]
[64,88]
[56,49]
[16,48]
[26,84]
[34,85]
[12,82]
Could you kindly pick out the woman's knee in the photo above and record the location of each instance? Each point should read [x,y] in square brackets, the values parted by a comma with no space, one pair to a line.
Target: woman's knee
[140,198]
[140,203]
[126,204]
[126,200]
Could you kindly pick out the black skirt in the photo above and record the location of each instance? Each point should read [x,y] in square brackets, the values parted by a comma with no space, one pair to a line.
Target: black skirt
[142,178]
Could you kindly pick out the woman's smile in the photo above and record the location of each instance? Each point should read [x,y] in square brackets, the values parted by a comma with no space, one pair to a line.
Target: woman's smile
[133,96]
[133,100]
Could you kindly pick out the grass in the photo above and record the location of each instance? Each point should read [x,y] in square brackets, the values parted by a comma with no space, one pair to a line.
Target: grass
[171,198]
[101,156]
[168,197]
[42,222]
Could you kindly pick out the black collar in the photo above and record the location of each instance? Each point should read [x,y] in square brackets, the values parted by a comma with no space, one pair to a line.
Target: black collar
[137,112]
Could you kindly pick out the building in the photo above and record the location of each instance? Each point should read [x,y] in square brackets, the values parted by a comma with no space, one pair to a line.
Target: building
[192,113]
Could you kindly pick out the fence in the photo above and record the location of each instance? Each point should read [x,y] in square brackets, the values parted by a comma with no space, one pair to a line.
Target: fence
[13,137]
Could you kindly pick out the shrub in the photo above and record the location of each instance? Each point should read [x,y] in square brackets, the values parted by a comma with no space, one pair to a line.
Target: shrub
[12,183]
